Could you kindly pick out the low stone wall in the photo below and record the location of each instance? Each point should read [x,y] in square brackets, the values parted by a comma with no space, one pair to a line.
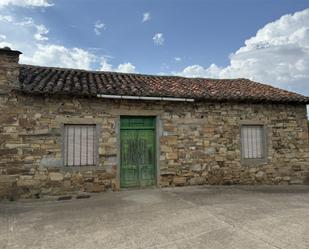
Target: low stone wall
[42,181]
[199,143]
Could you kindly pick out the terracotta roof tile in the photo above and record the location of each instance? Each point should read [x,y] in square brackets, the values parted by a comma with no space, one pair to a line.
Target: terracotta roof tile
[60,81]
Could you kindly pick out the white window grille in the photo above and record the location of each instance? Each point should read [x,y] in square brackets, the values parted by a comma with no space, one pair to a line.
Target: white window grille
[80,145]
[253,142]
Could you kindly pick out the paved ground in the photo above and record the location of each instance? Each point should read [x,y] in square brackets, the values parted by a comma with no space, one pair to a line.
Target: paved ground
[189,217]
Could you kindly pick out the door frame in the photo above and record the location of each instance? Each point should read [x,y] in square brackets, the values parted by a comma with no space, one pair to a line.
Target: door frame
[158,132]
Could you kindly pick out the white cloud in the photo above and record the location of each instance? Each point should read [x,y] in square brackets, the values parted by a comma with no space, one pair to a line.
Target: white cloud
[146,17]
[98,27]
[6,18]
[158,39]
[40,30]
[198,71]
[2,37]
[126,68]
[41,33]
[105,66]
[26,3]
[25,35]
[123,68]
[31,39]
[60,56]
[177,59]
[278,54]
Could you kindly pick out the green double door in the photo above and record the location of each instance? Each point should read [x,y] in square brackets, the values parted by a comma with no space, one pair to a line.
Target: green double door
[138,151]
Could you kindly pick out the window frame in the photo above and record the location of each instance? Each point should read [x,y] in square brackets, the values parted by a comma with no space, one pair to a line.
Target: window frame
[96,147]
[254,161]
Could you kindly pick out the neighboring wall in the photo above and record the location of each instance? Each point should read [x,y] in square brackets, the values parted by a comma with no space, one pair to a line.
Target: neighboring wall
[199,143]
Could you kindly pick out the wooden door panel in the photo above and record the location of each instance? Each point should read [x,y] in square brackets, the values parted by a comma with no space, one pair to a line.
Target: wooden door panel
[137,152]
[146,164]
[129,167]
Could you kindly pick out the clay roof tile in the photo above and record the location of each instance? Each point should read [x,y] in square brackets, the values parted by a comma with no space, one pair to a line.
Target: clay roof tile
[59,81]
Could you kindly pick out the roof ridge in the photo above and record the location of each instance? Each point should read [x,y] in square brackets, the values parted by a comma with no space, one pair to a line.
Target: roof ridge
[98,72]
[137,74]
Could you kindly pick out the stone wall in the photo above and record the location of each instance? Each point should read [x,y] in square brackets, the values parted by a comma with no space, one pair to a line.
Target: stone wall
[9,70]
[199,143]
[31,142]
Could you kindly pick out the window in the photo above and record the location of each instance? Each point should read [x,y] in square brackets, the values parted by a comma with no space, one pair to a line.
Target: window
[80,145]
[252,142]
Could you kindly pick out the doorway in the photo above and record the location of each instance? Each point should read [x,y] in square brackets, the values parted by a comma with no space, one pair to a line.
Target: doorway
[137,151]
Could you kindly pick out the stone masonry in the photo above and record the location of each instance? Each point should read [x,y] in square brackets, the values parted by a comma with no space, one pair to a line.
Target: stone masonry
[199,142]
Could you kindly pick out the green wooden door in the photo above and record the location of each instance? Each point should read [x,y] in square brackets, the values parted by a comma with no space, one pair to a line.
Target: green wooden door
[137,161]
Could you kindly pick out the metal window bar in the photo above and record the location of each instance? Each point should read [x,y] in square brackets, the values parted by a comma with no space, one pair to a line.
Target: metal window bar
[93,145]
[80,147]
[67,144]
[252,137]
[80,144]
[87,146]
[252,144]
[74,145]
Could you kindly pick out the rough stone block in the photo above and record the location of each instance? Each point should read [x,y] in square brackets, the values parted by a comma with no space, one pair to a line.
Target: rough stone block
[196,167]
[24,182]
[96,188]
[164,184]
[210,151]
[8,178]
[67,184]
[259,176]
[42,176]
[51,162]
[179,180]
[171,156]
[171,140]
[55,176]
[197,180]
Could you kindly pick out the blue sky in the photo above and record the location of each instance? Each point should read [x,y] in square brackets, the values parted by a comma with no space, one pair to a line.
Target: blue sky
[196,38]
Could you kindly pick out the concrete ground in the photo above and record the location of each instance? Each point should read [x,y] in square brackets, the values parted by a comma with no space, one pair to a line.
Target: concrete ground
[189,217]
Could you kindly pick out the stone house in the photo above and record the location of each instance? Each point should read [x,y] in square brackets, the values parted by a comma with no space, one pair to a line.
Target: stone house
[66,131]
